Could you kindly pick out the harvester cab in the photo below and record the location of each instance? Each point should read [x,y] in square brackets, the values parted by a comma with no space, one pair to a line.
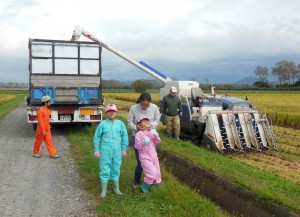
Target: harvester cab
[222,123]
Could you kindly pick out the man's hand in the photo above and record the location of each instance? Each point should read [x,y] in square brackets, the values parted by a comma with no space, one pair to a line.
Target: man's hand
[124,154]
[97,154]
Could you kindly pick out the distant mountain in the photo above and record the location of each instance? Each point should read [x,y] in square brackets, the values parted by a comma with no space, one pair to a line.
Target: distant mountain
[247,80]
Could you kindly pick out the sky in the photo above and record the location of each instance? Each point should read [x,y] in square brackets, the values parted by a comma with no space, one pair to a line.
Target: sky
[211,41]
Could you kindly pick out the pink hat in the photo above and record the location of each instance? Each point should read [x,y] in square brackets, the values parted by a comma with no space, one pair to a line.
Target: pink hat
[111,107]
[142,118]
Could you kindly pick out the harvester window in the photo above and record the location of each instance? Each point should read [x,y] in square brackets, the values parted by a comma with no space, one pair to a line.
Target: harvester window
[196,95]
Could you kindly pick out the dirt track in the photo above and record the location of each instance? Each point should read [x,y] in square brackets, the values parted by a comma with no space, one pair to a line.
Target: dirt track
[36,187]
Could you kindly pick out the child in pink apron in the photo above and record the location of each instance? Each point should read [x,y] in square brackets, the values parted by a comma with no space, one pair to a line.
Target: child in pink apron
[145,142]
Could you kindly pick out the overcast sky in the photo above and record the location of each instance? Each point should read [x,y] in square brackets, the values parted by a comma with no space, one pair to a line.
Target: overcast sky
[214,40]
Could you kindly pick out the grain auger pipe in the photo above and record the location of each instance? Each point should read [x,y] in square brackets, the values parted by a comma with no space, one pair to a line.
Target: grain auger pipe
[222,123]
[78,31]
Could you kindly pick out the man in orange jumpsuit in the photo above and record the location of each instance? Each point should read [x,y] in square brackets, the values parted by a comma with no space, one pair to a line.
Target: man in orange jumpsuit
[43,131]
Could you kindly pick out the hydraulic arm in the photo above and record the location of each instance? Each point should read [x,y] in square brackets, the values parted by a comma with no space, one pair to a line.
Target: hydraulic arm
[78,31]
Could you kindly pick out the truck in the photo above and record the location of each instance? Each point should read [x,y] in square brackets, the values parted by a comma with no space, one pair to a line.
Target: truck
[70,73]
[222,123]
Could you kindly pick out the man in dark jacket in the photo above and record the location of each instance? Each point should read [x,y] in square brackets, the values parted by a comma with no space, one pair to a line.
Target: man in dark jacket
[171,108]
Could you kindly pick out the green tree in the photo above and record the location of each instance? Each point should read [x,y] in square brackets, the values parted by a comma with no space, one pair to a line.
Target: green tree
[111,84]
[140,86]
[261,84]
[262,72]
[294,71]
[286,71]
[297,84]
[298,72]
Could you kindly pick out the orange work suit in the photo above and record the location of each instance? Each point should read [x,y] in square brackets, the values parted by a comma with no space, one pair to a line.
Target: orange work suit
[43,115]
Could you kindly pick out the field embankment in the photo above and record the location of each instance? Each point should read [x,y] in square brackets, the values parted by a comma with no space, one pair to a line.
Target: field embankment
[273,175]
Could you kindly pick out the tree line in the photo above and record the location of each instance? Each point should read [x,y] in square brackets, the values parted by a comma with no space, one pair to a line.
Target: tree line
[138,85]
[285,73]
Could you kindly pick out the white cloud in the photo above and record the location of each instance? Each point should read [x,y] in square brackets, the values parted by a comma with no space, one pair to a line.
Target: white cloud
[196,36]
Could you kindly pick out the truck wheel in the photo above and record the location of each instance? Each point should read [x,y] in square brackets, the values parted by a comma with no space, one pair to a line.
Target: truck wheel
[34,127]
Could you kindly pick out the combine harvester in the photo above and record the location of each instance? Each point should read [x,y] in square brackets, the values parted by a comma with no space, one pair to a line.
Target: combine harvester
[222,123]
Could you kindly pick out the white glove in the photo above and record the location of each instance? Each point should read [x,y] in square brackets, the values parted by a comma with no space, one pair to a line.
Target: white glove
[153,132]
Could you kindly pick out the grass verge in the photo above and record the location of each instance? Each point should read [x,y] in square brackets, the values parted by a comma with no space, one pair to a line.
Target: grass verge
[172,199]
[173,196]
[267,185]
[9,106]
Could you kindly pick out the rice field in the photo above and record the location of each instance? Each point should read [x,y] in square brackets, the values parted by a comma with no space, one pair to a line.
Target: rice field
[282,108]
[6,98]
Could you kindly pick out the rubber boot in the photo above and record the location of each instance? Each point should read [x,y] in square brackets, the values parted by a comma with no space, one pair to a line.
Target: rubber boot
[145,187]
[104,189]
[156,186]
[116,188]
[177,134]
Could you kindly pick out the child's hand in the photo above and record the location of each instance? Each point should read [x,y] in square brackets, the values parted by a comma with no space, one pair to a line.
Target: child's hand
[124,154]
[153,131]
[97,154]
[146,140]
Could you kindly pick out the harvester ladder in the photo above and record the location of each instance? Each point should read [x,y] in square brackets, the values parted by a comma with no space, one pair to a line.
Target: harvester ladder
[269,132]
[258,137]
[245,130]
[250,127]
[229,132]
[234,129]
[259,123]
[217,132]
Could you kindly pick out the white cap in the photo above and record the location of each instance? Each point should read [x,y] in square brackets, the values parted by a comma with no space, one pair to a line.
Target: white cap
[45,98]
[173,90]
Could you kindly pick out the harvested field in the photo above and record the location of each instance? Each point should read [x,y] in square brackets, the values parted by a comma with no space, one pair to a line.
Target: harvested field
[284,163]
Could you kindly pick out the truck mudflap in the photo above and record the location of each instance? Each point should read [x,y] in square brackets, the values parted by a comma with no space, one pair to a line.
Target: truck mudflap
[238,131]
